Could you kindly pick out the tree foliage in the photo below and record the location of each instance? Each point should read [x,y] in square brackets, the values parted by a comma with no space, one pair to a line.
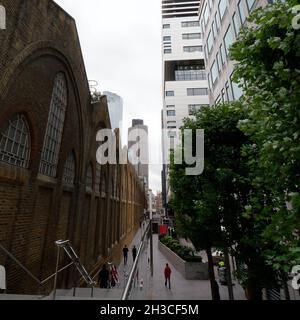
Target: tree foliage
[267,57]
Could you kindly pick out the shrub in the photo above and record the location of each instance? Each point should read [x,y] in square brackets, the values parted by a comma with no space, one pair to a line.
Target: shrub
[184,252]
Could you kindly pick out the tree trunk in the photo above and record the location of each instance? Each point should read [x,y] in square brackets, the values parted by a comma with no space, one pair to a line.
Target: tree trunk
[228,275]
[213,283]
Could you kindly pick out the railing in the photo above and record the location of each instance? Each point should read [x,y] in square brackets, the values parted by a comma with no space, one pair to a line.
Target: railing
[32,276]
[133,279]
[71,254]
[76,261]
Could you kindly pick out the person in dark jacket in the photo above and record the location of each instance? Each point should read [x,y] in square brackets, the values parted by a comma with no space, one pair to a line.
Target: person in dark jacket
[103,277]
[125,254]
[134,253]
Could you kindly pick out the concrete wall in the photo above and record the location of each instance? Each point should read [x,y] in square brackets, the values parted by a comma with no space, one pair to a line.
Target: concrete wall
[190,270]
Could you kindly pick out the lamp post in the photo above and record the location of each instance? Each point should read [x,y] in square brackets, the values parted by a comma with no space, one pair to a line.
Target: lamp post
[151,233]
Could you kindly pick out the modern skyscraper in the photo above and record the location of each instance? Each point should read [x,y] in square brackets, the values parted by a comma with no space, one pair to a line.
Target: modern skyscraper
[115,106]
[221,22]
[185,86]
[139,134]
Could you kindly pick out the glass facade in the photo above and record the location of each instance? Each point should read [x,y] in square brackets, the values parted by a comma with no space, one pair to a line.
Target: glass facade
[190,75]
[222,8]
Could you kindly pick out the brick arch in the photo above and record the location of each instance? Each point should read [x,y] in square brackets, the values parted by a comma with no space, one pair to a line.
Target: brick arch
[37,50]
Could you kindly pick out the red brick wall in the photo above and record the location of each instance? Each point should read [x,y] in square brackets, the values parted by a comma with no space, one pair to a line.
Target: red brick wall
[35,211]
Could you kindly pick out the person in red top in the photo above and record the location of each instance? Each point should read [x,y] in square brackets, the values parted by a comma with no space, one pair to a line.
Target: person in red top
[168,272]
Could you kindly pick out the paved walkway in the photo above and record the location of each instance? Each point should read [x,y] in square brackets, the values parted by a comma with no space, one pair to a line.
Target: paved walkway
[154,288]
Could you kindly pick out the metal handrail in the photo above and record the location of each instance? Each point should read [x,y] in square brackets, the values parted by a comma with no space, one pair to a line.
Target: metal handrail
[68,249]
[134,267]
[39,282]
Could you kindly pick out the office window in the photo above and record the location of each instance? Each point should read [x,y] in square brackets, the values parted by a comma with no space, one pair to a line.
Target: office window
[236,23]
[214,73]
[206,15]
[242,11]
[167,51]
[193,49]
[217,21]
[228,39]
[190,75]
[219,63]
[170,106]
[171,113]
[15,142]
[210,42]
[209,81]
[170,93]
[214,30]
[197,91]
[223,95]
[222,8]
[171,122]
[166,26]
[167,38]
[228,92]
[205,52]
[222,54]
[250,4]
[237,92]
[172,127]
[193,108]
[191,36]
[54,128]
[172,134]
[218,100]
[186,24]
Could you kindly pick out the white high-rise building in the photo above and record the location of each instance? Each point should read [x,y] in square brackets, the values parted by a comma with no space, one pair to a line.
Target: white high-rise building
[221,21]
[185,86]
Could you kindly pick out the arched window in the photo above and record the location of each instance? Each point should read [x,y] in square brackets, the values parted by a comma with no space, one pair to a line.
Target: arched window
[98,177]
[69,170]
[55,125]
[15,142]
[89,178]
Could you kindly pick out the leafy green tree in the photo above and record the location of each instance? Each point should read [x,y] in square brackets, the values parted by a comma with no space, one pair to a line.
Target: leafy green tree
[267,56]
[209,207]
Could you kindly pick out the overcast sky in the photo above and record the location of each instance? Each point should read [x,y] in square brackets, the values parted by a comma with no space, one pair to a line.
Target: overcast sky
[121,44]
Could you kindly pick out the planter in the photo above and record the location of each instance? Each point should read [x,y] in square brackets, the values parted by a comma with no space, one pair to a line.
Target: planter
[189,270]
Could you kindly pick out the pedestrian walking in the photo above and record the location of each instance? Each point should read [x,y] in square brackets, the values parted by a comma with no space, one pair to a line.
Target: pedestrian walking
[134,253]
[114,277]
[168,272]
[125,254]
[103,277]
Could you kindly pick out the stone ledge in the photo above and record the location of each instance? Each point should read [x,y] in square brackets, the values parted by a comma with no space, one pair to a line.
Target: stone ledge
[189,270]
